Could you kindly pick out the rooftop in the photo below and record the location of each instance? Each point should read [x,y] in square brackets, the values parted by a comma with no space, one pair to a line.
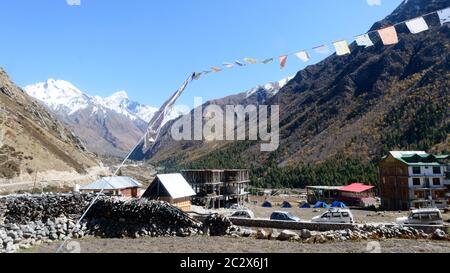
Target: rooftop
[112,183]
[356,188]
[418,158]
[176,185]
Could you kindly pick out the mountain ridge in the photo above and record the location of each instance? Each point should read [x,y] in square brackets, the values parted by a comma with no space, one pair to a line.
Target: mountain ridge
[356,106]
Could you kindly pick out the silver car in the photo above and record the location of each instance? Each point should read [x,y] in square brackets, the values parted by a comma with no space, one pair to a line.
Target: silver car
[422,217]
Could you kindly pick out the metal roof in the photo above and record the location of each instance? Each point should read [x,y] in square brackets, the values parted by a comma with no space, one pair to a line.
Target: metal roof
[356,188]
[418,158]
[176,185]
[112,183]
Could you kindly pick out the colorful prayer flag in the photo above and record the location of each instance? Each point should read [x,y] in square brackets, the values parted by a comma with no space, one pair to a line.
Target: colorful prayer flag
[341,48]
[250,60]
[388,35]
[417,25]
[267,61]
[323,49]
[239,63]
[364,40]
[228,65]
[444,16]
[216,69]
[283,60]
[303,55]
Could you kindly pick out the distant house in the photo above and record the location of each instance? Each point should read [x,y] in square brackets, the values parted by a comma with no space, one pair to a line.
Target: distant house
[117,186]
[413,179]
[171,188]
[357,194]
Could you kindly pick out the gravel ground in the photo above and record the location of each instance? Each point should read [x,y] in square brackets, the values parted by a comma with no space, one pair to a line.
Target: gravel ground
[200,244]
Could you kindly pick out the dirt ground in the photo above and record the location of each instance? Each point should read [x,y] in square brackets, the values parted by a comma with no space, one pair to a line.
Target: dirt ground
[201,244]
[361,216]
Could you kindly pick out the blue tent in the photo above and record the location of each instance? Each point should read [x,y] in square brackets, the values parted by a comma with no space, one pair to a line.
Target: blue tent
[305,206]
[320,205]
[286,205]
[267,204]
[337,204]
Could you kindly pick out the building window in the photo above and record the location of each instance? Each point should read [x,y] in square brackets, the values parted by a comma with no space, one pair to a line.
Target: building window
[416,181]
[436,170]
[416,170]
[436,181]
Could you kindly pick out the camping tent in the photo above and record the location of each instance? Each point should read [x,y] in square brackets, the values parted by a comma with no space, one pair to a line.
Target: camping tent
[337,204]
[305,206]
[286,205]
[267,204]
[320,204]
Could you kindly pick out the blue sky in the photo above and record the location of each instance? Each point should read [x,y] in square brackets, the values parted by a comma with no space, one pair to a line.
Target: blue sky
[148,47]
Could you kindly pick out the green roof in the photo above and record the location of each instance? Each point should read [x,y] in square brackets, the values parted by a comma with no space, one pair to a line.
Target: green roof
[418,158]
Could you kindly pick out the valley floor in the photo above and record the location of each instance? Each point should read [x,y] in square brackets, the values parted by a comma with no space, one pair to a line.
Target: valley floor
[201,244]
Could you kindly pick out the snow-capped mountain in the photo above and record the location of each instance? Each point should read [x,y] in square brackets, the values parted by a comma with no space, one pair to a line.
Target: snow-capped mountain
[271,88]
[62,96]
[108,126]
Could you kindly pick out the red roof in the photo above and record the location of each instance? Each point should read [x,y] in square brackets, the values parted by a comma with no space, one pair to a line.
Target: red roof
[356,187]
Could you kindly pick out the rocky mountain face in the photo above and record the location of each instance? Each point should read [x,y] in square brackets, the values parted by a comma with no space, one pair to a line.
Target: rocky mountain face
[356,106]
[257,95]
[108,126]
[32,140]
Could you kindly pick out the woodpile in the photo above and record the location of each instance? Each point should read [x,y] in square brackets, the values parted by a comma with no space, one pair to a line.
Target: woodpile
[28,220]
[27,208]
[139,217]
[218,225]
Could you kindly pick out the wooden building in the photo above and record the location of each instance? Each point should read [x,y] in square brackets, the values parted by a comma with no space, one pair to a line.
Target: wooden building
[121,186]
[219,188]
[412,179]
[173,189]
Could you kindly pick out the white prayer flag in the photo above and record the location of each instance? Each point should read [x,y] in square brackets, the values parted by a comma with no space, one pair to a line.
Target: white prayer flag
[341,48]
[303,55]
[444,16]
[157,122]
[323,49]
[364,40]
[417,25]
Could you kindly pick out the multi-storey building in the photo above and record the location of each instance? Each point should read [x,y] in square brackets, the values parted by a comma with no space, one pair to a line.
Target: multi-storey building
[413,180]
[218,188]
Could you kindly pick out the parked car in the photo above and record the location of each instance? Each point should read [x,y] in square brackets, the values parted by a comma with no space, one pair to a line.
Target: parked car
[284,216]
[248,214]
[342,216]
[422,217]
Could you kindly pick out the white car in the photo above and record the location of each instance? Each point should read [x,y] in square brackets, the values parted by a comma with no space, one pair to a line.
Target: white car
[337,216]
[422,217]
[248,214]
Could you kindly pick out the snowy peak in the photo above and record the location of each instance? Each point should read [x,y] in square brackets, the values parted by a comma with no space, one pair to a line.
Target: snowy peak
[63,97]
[271,88]
[58,94]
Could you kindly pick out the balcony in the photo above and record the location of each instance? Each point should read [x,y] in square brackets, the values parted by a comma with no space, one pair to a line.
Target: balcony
[427,175]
